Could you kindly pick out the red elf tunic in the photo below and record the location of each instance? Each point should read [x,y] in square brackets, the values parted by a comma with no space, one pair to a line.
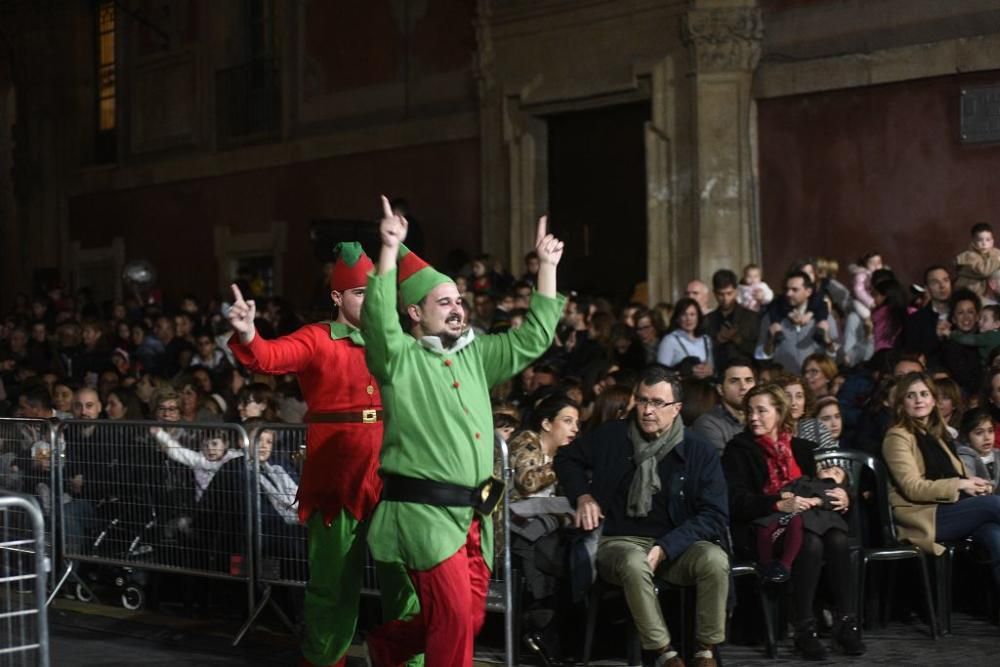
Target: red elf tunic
[342,459]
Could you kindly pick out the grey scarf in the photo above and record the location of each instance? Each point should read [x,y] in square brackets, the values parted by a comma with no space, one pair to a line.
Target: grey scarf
[646,454]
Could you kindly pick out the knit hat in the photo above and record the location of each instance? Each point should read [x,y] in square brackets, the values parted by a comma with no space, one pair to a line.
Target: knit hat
[416,277]
[351,268]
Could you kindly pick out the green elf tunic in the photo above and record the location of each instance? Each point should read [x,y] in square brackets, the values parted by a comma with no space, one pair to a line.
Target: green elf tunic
[438,419]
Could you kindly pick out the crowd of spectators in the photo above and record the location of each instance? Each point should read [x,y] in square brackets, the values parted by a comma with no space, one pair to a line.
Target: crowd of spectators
[908,373]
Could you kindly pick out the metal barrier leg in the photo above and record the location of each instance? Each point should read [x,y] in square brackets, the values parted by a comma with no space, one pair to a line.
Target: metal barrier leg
[265,601]
[70,571]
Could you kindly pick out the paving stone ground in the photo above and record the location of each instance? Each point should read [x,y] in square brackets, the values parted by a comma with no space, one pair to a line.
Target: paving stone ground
[100,636]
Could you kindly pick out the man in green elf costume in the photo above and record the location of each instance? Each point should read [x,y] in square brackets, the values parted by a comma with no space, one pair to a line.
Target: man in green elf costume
[340,485]
[437,452]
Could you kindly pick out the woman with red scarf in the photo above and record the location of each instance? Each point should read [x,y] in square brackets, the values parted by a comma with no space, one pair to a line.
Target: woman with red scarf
[758,463]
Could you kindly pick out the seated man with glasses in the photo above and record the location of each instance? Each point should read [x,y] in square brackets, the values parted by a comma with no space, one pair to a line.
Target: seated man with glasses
[662,496]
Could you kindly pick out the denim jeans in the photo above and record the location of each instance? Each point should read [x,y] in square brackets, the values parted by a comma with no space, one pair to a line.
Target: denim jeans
[978,517]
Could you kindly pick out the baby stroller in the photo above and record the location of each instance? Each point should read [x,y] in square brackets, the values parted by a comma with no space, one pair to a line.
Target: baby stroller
[125,534]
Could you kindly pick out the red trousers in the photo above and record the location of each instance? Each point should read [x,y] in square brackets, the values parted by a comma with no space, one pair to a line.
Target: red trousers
[452,598]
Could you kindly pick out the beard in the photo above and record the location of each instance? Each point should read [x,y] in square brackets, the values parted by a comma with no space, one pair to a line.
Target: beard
[447,338]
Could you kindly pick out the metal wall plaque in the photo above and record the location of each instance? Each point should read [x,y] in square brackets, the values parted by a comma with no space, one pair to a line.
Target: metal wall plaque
[980,121]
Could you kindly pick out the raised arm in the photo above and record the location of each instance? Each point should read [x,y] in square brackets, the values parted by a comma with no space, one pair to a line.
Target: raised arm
[287,354]
[384,338]
[175,451]
[392,232]
[241,316]
[508,353]
[549,250]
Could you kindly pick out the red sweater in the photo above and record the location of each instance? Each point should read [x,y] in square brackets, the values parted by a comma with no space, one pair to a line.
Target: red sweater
[342,460]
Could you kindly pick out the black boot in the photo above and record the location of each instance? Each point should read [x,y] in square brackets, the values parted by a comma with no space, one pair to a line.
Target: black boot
[847,636]
[535,642]
[807,642]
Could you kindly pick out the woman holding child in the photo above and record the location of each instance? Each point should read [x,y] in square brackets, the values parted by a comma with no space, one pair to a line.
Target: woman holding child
[774,487]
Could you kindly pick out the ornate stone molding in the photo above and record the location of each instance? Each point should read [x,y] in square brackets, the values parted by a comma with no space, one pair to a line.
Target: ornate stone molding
[723,40]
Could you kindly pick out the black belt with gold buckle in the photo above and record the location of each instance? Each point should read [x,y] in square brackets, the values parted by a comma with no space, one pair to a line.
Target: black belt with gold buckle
[483,498]
[355,417]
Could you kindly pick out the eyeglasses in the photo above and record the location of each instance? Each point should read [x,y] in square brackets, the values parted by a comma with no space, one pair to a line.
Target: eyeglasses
[654,403]
[168,409]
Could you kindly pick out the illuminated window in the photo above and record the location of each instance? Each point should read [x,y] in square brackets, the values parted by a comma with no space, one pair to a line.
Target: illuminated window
[106,68]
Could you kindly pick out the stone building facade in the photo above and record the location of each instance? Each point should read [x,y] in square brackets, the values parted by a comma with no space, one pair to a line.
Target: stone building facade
[668,138]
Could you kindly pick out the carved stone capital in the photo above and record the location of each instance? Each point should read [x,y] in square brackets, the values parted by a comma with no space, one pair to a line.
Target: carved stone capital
[723,40]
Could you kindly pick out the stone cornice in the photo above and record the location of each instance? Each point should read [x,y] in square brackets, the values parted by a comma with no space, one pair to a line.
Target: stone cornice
[953,56]
[416,132]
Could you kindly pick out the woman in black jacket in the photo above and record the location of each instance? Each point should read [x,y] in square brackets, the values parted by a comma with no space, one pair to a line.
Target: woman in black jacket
[753,477]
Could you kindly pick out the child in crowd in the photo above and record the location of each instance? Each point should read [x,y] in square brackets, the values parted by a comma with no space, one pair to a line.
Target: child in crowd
[827,269]
[775,562]
[988,337]
[861,283]
[976,446]
[205,463]
[753,292]
[504,425]
[976,264]
[277,485]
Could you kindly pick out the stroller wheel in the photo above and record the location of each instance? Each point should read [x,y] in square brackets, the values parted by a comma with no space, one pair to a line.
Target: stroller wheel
[83,594]
[133,597]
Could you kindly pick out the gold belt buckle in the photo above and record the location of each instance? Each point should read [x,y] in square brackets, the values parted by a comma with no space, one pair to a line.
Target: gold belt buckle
[485,493]
[369,416]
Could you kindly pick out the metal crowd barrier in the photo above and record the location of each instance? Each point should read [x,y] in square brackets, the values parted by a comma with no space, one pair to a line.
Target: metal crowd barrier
[280,541]
[24,634]
[29,452]
[281,548]
[156,497]
[121,499]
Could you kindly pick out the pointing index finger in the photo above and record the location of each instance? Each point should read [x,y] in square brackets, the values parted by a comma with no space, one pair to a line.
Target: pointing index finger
[543,223]
[237,294]
[386,207]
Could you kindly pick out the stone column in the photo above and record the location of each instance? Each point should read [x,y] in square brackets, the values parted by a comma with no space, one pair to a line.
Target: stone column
[12,269]
[723,38]
[494,193]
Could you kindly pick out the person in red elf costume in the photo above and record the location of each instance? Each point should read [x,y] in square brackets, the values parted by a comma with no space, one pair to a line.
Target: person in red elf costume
[340,485]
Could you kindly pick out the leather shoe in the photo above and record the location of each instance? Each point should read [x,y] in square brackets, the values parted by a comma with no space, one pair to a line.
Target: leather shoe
[774,572]
[847,636]
[807,643]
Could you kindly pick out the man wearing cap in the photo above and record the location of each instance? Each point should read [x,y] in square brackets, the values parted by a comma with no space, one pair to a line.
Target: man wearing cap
[340,484]
[437,455]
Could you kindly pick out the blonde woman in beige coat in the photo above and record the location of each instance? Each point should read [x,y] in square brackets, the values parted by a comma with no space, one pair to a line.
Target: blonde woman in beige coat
[932,497]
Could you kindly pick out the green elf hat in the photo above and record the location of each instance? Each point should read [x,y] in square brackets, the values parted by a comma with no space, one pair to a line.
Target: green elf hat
[351,267]
[416,277]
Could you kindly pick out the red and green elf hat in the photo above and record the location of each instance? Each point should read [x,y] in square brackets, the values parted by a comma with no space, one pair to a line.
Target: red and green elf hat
[351,268]
[416,277]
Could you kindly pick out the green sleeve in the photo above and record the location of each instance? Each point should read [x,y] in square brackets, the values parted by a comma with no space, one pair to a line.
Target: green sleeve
[989,339]
[384,338]
[506,354]
[963,338]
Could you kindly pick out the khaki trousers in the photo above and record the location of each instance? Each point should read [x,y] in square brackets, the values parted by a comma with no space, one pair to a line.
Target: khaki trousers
[622,561]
